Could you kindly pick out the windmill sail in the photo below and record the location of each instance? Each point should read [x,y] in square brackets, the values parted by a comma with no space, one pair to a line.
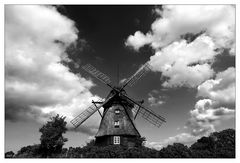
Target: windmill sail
[97,74]
[78,120]
[151,117]
[147,114]
[139,74]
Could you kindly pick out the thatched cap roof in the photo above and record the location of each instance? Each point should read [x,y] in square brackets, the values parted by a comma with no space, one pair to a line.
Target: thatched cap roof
[126,123]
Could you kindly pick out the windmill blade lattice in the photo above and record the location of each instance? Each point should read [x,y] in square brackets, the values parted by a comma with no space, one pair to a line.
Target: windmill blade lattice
[147,114]
[138,75]
[151,117]
[135,109]
[78,120]
[97,74]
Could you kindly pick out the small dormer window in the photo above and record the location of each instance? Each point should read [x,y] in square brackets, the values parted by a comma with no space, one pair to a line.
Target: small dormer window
[117,111]
[116,124]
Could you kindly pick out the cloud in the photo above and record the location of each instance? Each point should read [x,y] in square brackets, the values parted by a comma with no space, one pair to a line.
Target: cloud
[186,41]
[153,100]
[138,40]
[218,22]
[37,84]
[221,98]
[204,117]
[184,138]
[185,64]
[202,122]
[221,90]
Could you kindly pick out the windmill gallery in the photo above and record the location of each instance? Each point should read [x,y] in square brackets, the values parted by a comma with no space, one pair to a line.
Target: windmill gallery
[117,125]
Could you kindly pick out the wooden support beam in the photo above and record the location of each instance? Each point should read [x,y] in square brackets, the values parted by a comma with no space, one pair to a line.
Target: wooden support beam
[136,113]
[97,102]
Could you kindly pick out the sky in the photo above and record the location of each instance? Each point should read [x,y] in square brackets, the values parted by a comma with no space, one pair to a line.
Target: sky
[191,50]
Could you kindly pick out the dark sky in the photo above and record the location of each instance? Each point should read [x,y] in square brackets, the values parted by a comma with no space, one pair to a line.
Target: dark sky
[106,28]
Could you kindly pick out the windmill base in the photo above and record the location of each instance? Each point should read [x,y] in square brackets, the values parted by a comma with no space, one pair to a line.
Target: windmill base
[129,141]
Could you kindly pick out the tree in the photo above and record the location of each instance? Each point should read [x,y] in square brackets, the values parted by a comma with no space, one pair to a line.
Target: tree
[217,145]
[30,151]
[91,143]
[9,154]
[140,141]
[203,148]
[177,150]
[52,139]
[225,143]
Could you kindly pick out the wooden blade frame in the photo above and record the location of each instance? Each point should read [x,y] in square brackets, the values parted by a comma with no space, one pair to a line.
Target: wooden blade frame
[147,114]
[97,74]
[138,75]
[82,117]
[151,117]
[78,120]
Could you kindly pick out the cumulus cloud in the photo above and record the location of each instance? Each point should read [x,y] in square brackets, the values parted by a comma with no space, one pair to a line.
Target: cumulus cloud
[154,99]
[204,117]
[221,98]
[37,85]
[220,94]
[221,90]
[185,64]
[217,21]
[138,40]
[186,61]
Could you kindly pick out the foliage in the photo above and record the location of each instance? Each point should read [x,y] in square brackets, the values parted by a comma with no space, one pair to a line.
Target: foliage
[91,143]
[118,151]
[217,145]
[51,139]
[9,154]
[177,150]
[140,141]
[31,151]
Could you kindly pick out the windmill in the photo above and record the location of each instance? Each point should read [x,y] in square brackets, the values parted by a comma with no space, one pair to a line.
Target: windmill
[117,120]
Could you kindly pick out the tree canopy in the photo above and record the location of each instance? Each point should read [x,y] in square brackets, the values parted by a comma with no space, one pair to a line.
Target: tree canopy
[52,139]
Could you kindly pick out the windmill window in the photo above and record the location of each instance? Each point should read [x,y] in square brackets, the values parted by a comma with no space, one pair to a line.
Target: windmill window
[116,124]
[116,140]
[117,111]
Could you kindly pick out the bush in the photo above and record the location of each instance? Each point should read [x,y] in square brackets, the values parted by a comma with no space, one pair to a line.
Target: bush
[9,154]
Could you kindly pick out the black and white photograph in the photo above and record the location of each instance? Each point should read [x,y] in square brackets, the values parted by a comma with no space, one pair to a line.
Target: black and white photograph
[119,81]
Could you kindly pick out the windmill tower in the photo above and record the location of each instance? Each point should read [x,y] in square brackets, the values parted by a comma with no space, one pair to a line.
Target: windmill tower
[117,124]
